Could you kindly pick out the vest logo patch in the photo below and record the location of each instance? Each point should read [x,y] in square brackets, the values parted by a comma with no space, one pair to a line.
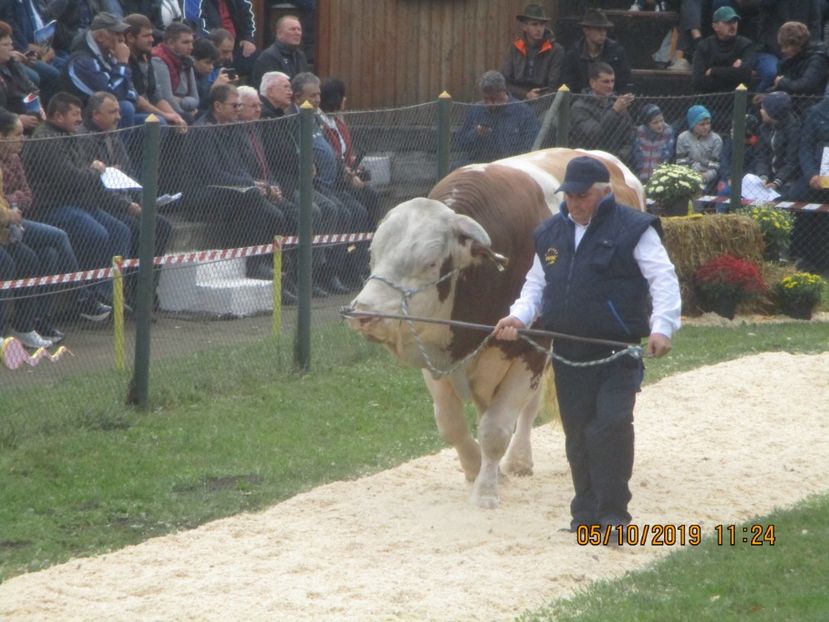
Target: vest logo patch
[551,256]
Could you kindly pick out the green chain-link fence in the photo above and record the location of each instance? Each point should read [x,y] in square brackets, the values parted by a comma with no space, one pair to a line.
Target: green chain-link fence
[231,189]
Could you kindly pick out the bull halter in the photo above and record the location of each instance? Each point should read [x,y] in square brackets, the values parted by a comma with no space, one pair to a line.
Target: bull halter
[406,293]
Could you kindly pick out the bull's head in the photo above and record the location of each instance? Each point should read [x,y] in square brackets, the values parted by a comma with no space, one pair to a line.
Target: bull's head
[417,253]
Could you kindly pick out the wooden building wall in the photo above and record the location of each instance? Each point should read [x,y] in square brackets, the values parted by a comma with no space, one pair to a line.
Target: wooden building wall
[393,53]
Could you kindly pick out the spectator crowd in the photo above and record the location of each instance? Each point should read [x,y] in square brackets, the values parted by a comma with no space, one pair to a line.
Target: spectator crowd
[77,76]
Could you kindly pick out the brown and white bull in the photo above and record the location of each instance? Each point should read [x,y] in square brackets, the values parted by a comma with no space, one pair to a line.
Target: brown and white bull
[440,254]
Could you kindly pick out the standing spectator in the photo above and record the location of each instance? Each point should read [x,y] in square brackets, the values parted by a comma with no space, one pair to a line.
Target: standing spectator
[235,16]
[496,127]
[67,193]
[723,60]
[612,279]
[699,148]
[15,86]
[593,47]
[100,62]
[654,143]
[772,15]
[805,62]
[599,119]
[534,60]
[284,54]
[777,161]
[103,144]
[139,39]
[174,75]
[811,231]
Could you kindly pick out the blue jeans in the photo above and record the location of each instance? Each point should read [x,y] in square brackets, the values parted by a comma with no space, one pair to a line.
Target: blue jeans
[96,236]
[18,261]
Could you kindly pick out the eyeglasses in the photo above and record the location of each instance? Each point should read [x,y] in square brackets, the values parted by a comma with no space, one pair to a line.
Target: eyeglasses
[234,104]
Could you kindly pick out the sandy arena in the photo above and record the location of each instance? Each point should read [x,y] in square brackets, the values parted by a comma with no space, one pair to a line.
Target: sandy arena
[718,444]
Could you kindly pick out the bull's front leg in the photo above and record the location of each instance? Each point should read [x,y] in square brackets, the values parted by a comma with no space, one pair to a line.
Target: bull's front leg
[452,424]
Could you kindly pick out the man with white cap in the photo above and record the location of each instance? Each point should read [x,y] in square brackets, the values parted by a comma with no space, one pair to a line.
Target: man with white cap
[600,271]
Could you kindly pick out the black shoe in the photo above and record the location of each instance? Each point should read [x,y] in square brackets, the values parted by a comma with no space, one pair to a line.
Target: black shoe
[288,298]
[335,286]
[318,292]
[46,330]
[94,311]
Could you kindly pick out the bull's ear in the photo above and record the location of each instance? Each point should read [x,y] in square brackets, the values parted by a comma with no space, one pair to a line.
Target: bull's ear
[466,227]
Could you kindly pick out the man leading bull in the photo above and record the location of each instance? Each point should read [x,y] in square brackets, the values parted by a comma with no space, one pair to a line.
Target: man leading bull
[600,271]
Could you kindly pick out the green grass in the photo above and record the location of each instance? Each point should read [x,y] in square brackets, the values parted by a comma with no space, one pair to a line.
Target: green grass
[80,473]
[786,581]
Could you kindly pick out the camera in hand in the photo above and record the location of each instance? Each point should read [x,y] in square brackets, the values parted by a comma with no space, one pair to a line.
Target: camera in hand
[230,72]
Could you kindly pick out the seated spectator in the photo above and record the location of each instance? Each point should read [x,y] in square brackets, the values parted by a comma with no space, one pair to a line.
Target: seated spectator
[533,63]
[654,142]
[223,190]
[593,47]
[67,193]
[354,218]
[100,62]
[601,120]
[689,34]
[751,147]
[353,178]
[805,62]
[811,231]
[723,60]
[25,18]
[496,127]
[205,58]
[17,93]
[103,144]
[699,148]
[284,54]
[174,75]
[777,161]
[139,39]
[237,17]
[772,16]
[73,17]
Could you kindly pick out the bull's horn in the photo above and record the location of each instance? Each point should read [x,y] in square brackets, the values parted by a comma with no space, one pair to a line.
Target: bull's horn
[465,226]
[498,259]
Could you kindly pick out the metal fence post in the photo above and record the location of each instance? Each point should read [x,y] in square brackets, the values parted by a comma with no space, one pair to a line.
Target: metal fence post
[140,385]
[302,347]
[563,123]
[444,133]
[738,146]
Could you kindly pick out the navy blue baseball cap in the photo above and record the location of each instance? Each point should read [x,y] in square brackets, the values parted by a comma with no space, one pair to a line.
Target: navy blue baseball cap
[582,173]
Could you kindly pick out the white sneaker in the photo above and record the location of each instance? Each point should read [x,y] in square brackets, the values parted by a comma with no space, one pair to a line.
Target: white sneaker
[679,64]
[31,339]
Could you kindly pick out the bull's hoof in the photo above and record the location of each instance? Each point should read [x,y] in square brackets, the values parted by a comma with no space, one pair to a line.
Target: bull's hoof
[519,468]
[485,502]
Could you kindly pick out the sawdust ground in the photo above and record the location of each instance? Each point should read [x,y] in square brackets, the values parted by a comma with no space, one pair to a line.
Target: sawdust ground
[718,444]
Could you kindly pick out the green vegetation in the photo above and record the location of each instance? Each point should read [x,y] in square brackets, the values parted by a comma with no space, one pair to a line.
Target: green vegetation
[80,473]
[786,581]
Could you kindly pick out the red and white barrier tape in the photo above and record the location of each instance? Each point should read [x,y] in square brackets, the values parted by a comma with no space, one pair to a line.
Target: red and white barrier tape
[220,254]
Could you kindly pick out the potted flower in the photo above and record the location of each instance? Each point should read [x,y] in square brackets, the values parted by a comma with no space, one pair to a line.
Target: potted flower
[798,294]
[776,226]
[671,187]
[725,281]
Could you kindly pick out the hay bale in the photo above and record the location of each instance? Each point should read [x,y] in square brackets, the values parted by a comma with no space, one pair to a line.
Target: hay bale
[692,241]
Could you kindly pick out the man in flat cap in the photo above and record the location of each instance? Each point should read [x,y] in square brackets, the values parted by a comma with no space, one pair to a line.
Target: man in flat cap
[594,46]
[723,60]
[533,63]
[600,271]
[100,62]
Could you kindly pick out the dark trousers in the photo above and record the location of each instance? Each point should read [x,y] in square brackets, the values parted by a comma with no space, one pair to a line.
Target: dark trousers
[596,405]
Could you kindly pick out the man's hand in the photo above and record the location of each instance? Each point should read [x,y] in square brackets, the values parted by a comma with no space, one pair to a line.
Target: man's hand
[173,118]
[248,48]
[533,94]
[98,166]
[221,78]
[623,102]
[814,182]
[121,53]
[658,345]
[29,121]
[737,64]
[507,328]
[135,209]
[777,80]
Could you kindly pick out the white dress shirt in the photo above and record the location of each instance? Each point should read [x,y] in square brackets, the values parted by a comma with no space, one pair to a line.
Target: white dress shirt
[656,267]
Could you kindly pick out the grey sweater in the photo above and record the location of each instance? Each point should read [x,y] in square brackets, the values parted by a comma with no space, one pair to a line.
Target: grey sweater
[701,154]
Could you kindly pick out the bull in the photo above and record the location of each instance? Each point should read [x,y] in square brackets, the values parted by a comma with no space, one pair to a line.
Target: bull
[442,257]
